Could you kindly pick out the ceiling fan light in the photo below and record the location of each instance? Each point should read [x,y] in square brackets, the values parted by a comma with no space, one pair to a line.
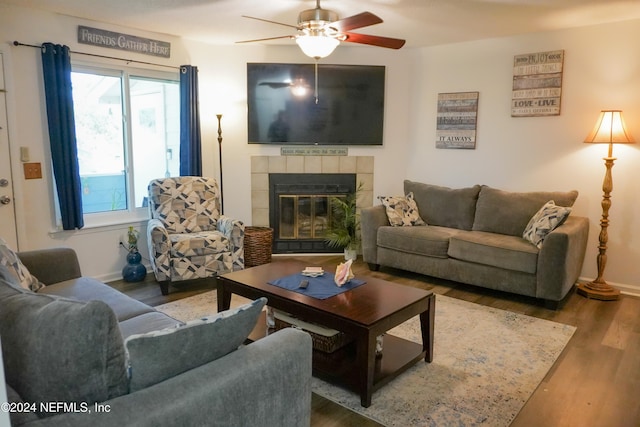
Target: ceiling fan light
[317,46]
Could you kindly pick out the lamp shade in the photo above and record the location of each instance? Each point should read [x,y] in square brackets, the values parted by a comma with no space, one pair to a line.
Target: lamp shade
[317,46]
[610,129]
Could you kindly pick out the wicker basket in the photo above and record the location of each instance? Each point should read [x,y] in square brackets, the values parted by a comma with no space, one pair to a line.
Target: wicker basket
[328,341]
[257,246]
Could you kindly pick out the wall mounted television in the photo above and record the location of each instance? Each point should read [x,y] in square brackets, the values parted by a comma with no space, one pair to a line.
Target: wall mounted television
[283,109]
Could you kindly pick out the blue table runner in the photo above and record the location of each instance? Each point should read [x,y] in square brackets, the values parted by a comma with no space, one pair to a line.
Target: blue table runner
[321,287]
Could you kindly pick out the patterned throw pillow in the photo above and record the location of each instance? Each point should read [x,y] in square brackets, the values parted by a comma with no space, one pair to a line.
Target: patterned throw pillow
[402,211]
[544,222]
[9,259]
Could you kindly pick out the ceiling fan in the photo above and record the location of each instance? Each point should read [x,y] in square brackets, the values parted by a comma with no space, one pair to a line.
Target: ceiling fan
[319,31]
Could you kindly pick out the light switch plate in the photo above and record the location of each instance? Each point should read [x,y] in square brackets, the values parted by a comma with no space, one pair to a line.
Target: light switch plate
[24,154]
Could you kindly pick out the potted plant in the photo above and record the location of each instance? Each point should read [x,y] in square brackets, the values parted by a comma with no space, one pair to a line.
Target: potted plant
[132,239]
[134,271]
[344,225]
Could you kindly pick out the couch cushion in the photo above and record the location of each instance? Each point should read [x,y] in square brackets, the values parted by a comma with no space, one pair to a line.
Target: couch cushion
[147,322]
[88,289]
[445,206]
[430,241]
[401,210]
[544,222]
[198,244]
[509,213]
[9,259]
[60,350]
[498,250]
[190,345]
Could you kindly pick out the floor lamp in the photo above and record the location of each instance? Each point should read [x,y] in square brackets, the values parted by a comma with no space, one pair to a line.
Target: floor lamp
[219,116]
[610,129]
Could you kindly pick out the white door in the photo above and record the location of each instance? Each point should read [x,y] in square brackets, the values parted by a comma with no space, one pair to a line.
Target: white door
[7,210]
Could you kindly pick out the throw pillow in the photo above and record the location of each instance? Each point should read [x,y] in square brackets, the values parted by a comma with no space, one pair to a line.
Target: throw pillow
[156,356]
[402,211]
[10,259]
[544,222]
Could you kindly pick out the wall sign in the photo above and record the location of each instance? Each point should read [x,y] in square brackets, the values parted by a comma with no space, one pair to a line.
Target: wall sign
[537,84]
[112,40]
[314,151]
[457,117]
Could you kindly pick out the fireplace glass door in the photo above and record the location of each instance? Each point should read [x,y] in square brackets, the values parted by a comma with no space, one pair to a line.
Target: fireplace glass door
[304,216]
[300,209]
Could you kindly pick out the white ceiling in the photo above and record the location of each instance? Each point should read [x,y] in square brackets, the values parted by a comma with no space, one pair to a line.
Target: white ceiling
[420,22]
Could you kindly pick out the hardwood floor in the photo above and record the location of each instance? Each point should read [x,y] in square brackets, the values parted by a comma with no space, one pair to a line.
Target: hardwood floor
[595,381]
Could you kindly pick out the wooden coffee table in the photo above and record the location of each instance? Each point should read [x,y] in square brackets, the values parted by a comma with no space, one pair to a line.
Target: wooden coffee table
[362,313]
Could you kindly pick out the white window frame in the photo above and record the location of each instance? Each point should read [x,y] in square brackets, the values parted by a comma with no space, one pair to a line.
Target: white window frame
[132,213]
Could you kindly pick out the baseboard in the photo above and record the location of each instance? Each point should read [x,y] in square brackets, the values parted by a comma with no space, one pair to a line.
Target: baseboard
[633,290]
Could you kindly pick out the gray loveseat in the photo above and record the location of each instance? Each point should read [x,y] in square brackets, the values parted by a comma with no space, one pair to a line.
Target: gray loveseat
[475,235]
[78,353]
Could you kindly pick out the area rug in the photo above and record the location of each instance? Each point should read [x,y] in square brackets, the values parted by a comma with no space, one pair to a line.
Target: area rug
[487,363]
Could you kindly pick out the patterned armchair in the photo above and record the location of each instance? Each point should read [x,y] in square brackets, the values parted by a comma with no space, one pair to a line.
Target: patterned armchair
[187,236]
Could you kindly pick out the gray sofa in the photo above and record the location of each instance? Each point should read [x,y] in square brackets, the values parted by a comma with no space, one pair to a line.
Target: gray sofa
[94,356]
[475,236]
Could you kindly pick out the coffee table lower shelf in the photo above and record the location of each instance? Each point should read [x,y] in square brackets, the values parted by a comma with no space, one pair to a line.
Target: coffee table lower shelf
[338,368]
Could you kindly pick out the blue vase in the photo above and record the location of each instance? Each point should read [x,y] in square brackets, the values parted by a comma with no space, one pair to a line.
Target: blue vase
[134,271]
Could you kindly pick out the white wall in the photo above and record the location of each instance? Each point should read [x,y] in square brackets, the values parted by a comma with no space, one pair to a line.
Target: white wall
[222,78]
[601,71]
[520,154]
[97,249]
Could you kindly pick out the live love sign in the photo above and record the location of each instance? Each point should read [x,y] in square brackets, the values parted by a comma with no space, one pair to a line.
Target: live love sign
[113,40]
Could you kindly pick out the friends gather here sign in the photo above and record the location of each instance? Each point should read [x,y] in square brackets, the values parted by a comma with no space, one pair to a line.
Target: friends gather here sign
[129,43]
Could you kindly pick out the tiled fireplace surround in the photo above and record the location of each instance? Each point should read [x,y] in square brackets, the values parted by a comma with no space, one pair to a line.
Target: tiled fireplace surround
[262,166]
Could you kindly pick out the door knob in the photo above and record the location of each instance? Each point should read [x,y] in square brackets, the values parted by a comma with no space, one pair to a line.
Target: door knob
[3,182]
[5,200]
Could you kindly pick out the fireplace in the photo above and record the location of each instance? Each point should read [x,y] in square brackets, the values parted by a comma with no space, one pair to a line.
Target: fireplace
[299,209]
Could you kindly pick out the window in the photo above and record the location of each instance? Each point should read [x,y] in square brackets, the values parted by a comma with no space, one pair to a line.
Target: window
[128,133]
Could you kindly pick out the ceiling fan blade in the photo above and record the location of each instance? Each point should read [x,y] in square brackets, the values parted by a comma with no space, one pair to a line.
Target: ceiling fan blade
[360,20]
[387,42]
[265,39]
[271,22]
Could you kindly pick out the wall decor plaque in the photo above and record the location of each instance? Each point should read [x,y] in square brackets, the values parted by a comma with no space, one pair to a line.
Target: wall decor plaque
[129,43]
[457,117]
[537,84]
[314,151]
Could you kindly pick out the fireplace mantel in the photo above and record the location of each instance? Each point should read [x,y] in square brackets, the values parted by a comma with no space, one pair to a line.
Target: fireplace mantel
[262,166]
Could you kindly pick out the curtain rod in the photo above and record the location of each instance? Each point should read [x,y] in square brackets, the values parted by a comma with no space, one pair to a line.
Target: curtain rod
[17,43]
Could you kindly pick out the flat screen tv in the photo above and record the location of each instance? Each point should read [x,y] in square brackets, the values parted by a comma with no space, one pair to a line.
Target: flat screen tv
[284,107]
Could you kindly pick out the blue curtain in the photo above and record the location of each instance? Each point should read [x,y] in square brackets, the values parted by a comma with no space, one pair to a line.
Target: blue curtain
[190,141]
[56,67]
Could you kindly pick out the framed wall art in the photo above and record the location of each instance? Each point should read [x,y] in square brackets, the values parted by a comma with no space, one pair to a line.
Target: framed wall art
[457,117]
[537,84]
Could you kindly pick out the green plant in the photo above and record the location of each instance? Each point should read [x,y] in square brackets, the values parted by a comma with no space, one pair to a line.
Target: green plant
[132,238]
[344,226]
